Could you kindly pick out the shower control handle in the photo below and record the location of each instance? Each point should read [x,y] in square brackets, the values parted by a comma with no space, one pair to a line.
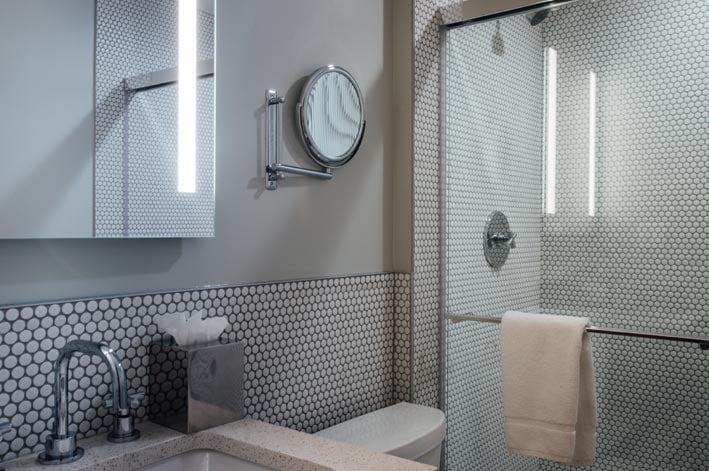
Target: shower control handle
[503,238]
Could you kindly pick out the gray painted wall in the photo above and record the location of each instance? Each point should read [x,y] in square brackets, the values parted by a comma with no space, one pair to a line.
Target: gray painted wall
[46,118]
[306,228]
[402,91]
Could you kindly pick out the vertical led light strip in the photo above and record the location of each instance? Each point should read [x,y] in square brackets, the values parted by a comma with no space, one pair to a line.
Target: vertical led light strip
[550,134]
[187,97]
[592,103]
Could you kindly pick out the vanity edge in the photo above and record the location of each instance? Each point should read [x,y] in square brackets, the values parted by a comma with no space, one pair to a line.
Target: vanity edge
[261,443]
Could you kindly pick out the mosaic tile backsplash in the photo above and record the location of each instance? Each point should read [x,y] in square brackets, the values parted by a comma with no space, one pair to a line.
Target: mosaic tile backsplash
[317,352]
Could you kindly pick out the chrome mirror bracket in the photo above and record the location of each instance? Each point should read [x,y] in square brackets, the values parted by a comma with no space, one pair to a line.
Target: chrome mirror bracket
[275,170]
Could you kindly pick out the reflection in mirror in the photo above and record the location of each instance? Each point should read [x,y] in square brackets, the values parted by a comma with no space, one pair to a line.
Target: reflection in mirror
[154,118]
[107,118]
[332,116]
[46,118]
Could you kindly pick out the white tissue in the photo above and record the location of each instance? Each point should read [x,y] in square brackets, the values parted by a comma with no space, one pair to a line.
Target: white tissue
[190,329]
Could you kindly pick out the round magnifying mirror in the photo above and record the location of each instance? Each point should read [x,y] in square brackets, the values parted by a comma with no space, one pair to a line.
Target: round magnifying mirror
[331,116]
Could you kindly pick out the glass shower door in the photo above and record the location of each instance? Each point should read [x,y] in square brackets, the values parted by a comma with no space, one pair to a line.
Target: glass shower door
[587,128]
[494,140]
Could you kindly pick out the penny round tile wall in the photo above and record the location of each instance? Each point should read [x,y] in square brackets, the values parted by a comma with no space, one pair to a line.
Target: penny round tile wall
[402,338]
[652,182]
[426,230]
[317,352]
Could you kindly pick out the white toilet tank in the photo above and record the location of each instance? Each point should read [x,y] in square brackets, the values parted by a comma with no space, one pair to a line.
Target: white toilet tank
[405,430]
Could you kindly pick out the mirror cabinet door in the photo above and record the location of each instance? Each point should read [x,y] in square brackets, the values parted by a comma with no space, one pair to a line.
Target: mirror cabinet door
[46,118]
[107,122]
[154,118]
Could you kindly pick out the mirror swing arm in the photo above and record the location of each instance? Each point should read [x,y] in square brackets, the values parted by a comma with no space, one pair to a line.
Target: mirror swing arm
[275,170]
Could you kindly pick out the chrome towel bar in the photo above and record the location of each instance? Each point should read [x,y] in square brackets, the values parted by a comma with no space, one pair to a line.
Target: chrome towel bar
[703,342]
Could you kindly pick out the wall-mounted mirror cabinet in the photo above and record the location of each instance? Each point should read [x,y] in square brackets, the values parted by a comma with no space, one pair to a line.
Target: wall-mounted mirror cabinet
[106,118]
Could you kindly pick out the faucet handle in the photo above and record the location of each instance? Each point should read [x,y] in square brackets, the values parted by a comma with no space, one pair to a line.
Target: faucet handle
[513,241]
[108,403]
[123,421]
[502,238]
[136,399]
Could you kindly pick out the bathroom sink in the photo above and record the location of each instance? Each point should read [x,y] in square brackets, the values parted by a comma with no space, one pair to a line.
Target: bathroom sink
[205,460]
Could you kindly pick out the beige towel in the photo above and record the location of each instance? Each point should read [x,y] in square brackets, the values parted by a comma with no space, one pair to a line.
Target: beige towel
[548,388]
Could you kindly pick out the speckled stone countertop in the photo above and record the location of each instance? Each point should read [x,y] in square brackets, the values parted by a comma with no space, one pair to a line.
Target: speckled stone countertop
[264,444]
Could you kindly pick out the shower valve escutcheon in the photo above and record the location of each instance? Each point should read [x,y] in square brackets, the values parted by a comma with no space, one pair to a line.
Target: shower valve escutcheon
[498,239]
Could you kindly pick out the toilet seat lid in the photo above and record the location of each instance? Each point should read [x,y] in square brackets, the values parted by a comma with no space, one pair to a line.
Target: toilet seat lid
[405,430]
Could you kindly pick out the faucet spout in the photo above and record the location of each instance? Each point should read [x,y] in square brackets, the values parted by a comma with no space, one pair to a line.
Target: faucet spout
[61,444]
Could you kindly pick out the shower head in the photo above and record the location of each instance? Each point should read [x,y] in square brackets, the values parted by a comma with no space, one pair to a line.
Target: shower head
[537,17]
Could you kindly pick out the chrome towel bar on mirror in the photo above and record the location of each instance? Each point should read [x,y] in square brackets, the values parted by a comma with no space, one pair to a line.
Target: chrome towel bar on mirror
[703,342]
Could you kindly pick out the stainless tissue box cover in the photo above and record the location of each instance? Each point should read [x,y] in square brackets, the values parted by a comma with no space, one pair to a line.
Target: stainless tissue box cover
[196,387]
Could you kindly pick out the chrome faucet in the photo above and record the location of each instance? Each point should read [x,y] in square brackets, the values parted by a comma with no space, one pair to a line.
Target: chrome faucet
[60,446]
